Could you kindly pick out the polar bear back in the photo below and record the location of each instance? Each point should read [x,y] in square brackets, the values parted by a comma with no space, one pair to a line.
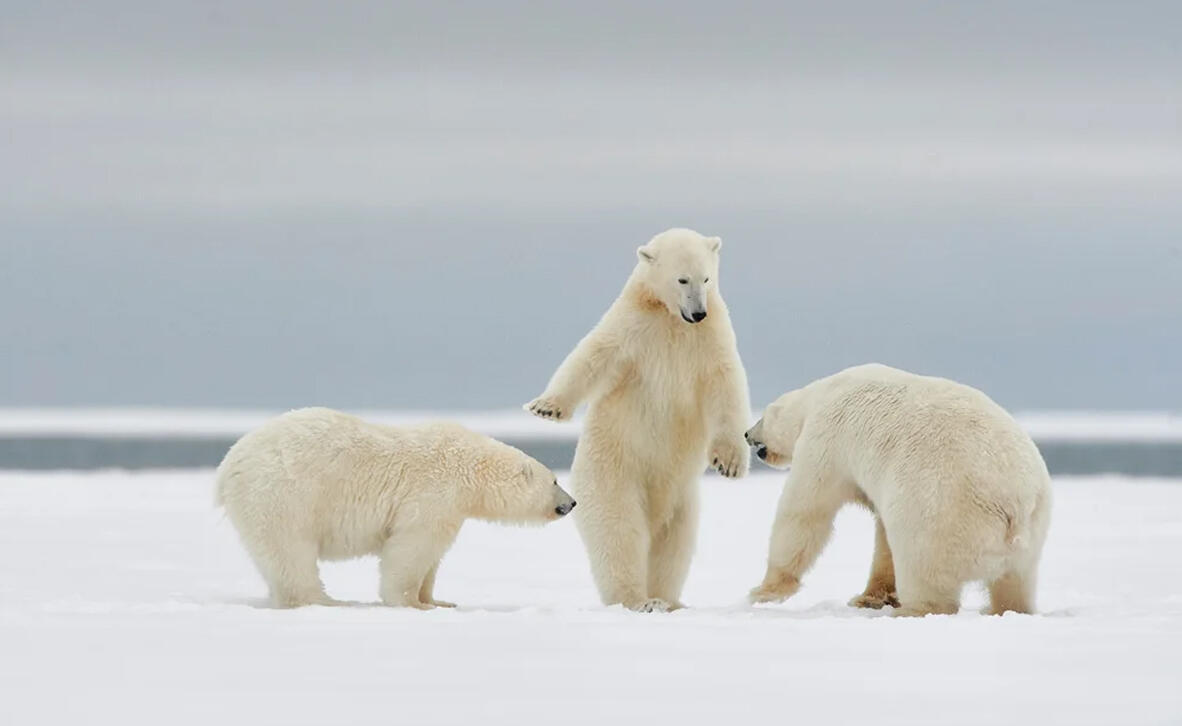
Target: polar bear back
[905,422]
[327,477]
[946,449]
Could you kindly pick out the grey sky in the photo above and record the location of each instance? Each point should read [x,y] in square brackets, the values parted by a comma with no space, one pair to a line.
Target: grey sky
[391,205]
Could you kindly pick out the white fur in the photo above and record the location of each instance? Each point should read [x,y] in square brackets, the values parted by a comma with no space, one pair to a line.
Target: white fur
[960,492]
[666,398]
[316,484]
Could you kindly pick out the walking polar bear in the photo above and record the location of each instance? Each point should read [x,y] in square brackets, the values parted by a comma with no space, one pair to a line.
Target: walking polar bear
[960,493]
[316,484]
[667,395]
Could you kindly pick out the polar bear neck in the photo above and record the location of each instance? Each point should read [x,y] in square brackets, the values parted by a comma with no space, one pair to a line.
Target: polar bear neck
[638,295]
[492,487]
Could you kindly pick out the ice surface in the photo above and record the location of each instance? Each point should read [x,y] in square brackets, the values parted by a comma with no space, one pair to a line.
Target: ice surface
[1103,426]
[180,422]
[184,423]
[125,598]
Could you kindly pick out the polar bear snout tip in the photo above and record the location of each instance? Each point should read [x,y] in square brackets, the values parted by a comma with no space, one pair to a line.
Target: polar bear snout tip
[760,448]
[694,317]
[751,436]
[563,502]
[754,438]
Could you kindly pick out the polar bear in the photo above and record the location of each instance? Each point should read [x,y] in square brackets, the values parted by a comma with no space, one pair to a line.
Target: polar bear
[667,396]
[960,493]
[316,484]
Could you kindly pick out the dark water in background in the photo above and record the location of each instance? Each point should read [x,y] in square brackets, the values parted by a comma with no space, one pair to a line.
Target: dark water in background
[1132,458]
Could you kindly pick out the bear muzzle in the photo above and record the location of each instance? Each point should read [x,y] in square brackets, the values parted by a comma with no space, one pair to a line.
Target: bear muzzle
[759,446]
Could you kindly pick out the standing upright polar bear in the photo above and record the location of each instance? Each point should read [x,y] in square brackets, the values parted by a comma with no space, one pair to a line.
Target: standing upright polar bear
[959,491]
[667,395]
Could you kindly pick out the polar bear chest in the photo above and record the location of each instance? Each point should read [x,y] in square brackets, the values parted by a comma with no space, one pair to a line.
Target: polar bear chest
[657,406]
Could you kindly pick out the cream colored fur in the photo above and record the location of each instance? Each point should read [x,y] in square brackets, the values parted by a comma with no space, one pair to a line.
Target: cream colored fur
[960,492]
[316,484]
[666,397]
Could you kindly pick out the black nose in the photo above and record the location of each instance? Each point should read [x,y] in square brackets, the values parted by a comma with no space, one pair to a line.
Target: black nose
[698,317]
[563,509]
[761,452]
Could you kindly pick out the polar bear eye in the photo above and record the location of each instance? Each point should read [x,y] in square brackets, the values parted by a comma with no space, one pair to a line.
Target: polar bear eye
[682,281]
[706,280]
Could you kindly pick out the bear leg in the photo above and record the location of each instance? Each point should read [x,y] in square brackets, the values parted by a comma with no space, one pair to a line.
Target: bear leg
[411,554]
[804,521]
[293,575]
[1013,592]
[671,551]
[427,591]
[925,591]
[616,537]
[880,588]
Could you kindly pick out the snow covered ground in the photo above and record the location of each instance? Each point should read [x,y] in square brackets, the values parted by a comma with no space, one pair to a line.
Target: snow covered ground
[125,598]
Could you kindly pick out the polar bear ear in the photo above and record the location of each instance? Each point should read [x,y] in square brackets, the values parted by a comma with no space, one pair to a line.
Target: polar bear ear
[644,254]
[714,244]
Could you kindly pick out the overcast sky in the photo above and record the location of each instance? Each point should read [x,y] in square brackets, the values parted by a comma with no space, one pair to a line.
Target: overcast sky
[391,205]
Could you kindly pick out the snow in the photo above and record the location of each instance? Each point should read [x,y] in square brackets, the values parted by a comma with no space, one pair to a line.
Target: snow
[126,597]
[172,422]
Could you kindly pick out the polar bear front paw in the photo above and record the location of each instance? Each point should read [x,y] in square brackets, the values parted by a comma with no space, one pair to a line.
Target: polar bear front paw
[730,458]
[775,588]
[549,408]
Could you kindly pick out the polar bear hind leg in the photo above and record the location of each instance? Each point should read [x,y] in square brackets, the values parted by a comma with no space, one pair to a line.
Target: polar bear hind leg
[611,522]
[1013,592]
[671,552]
[880,588]
[925,590]
[292,573]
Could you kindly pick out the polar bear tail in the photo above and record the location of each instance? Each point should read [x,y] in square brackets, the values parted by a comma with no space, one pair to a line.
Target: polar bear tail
[1027,528]
[1013,533]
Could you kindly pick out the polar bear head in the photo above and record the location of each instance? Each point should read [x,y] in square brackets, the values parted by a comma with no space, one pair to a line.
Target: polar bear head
[679,267]
[506,485]
[774,436]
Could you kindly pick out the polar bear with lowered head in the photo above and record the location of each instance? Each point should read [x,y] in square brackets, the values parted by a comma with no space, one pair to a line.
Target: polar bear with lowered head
[667,396]
[317,484]
[959,491]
